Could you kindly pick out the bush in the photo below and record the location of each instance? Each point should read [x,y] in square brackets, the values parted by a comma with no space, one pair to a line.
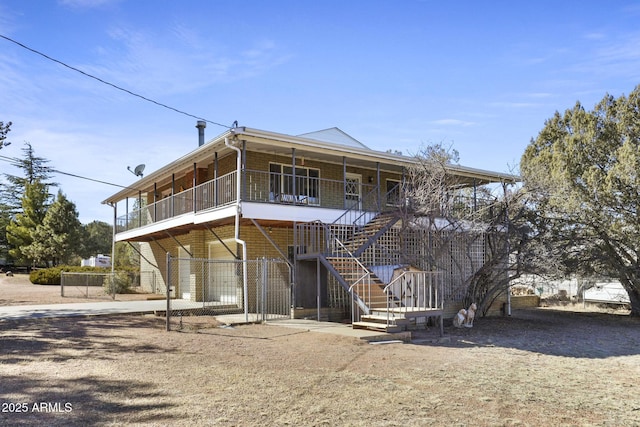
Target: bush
[51,276]
[120,283]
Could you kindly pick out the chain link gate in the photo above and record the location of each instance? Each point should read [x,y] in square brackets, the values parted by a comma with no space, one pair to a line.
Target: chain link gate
[202,286]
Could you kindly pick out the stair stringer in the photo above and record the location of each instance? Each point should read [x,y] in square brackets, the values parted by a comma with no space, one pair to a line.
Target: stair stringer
[372,239]
[359,301]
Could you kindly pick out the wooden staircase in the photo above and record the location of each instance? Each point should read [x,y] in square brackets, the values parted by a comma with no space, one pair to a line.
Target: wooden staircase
[370,288]
[396,319]
[383,311]
[376,305]
[367,235]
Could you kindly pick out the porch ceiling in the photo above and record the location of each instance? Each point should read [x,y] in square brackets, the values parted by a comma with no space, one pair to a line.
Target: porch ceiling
[187,228]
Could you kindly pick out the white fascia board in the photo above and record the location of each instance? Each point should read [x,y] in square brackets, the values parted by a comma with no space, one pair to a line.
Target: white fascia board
[167,224]
[274,212]
[215,215]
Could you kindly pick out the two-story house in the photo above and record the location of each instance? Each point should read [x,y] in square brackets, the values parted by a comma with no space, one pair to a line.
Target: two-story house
[319,205]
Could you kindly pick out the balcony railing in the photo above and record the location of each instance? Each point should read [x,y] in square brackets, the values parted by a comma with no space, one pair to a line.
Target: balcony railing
[257,186]
[270,187]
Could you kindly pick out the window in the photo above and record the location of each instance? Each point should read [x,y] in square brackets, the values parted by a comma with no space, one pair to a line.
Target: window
[281,184]
[393,192]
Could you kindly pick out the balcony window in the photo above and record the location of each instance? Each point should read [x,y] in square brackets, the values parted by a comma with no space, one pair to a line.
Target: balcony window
[393,192]
[281,184]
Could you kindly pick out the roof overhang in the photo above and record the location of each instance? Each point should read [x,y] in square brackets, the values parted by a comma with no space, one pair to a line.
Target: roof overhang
[282,144]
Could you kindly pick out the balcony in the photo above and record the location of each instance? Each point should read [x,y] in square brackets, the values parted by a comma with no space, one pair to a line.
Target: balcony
[257,187]
[350,198]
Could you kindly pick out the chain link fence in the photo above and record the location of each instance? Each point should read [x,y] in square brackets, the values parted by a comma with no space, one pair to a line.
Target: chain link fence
[88,285]
[198,286]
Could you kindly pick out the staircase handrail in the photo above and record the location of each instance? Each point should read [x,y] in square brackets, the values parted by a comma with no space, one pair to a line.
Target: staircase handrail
[366,276]
[356,204]
[434,294]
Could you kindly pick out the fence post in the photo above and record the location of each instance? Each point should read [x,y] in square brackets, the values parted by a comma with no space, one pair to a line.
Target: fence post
[264,289]
[168,325]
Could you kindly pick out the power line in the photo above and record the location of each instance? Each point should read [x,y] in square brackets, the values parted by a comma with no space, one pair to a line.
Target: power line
[15,161]
[109,83]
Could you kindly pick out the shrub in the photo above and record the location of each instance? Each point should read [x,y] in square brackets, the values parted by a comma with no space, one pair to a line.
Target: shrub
[51,276]
[119,283]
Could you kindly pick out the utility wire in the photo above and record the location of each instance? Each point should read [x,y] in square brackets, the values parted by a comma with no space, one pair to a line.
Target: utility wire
[110,84]
[14,161]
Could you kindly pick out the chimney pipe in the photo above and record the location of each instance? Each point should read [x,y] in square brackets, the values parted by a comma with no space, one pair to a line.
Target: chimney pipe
[201,125]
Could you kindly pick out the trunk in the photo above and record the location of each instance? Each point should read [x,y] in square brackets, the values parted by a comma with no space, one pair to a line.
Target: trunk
[634,295]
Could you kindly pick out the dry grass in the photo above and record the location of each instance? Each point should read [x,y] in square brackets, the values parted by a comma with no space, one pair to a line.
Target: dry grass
[539,367]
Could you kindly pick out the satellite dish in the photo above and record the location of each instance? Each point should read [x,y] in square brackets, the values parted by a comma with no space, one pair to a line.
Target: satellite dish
[137,171]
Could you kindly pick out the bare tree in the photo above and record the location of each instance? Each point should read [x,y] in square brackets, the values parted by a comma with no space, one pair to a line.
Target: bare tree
[476,233]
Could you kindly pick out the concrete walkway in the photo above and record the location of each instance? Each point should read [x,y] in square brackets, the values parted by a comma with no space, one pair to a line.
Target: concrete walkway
[18,312]
[14,312]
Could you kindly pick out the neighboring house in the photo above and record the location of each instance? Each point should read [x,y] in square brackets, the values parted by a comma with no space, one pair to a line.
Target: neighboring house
[96,261]
[320,202]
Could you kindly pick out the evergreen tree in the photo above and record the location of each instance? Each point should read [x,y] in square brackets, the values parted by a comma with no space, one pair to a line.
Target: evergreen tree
[34,169]
[96,239]
[4,130]
[57,239]
[582,170]
[20,229]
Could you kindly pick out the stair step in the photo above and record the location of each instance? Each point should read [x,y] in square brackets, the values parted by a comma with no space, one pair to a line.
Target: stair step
[397,321]
[377,327]
[407,313]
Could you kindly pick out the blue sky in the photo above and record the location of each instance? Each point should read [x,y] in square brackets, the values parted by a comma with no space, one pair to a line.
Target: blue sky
[479,76]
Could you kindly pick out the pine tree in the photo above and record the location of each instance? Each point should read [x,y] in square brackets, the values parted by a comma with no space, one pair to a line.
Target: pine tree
[57,239]
[19,231]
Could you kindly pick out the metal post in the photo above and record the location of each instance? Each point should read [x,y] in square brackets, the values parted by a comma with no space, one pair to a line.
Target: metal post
[168,325]
[140,208]
[215,179]
[293,176]
[173,194]
[113,237]
[506,214]
[155,202]
[344,182]
[379,185]
[264,288]
[193,188]
[318,285]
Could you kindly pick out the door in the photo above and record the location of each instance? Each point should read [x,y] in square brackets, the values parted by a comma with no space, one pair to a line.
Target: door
[352,191]
[223,281]
[184,274]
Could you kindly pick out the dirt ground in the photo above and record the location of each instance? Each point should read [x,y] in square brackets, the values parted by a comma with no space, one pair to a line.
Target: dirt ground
[539,367]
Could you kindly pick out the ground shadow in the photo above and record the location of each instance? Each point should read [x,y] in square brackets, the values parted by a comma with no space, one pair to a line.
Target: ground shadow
[22,340]
[547,331]
[80,402]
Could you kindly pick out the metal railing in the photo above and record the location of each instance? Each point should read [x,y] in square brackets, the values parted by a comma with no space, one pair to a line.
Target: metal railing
[414,291]
[257,186]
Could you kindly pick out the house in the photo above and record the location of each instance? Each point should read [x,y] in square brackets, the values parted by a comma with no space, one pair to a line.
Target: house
[319,208]
[96,261]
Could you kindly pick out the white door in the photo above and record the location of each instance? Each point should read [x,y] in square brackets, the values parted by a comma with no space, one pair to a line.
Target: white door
[223,280]
[353,188]
[184,274]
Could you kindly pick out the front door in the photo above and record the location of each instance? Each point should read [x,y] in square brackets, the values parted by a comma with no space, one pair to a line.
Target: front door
[184,274]
[223,279]
[352,191]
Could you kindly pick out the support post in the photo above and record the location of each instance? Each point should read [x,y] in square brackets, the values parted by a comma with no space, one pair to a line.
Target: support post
[168,314]
[318,285]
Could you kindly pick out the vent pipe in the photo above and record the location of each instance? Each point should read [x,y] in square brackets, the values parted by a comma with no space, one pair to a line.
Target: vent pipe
[201,125]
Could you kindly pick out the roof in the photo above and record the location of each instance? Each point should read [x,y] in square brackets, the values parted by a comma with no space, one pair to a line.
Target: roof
[323,145]
[334,136]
